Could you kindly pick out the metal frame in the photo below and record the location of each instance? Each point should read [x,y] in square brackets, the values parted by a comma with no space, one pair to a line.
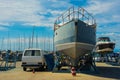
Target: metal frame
[72,13]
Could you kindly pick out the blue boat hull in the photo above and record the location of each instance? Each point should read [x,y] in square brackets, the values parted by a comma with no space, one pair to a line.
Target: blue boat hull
[75,38]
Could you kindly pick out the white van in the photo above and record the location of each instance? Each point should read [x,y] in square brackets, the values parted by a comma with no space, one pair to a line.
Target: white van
[33,58]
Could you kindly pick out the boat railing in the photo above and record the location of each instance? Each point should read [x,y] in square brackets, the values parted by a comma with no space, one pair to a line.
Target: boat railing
[72,13]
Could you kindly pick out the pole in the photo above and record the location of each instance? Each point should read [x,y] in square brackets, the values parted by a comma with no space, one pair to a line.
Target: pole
[33,36]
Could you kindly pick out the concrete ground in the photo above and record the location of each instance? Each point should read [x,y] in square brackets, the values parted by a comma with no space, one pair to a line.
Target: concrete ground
[106,72]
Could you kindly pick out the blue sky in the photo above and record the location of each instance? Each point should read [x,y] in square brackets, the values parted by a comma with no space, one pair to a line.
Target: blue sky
[17,18]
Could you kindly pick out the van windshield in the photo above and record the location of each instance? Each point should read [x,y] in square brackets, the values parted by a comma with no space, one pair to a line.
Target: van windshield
[32,53]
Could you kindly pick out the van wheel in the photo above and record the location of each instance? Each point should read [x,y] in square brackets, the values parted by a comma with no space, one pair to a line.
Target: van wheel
[59,67]
[24,69]
[41,68]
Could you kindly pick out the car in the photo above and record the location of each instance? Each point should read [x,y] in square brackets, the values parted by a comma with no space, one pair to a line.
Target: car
[33,58]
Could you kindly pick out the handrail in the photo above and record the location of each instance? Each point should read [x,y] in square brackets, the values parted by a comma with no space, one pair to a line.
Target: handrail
[72,13]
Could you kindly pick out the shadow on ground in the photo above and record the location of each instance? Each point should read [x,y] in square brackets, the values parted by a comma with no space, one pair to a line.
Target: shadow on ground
[108,72]
[113,63]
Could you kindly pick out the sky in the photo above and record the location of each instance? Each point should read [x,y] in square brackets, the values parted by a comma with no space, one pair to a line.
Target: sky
[18,18]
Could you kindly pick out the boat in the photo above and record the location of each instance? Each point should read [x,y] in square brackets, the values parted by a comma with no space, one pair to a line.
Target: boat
[104,45]
[75,33]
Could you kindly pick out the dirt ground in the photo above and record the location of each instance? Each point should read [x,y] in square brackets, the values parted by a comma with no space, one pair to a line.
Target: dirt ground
[106,72]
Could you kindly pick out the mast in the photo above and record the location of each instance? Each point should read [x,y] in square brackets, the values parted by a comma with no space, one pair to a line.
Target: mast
[2,43]
[24,41]
[44,42]
[8,42]
[14,45]
[49,42]
[19,43]
[37,41]
[29,42]
[33,36]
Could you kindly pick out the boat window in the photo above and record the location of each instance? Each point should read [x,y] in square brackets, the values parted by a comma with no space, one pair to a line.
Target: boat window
[105,46]
[56,33]
[104,39]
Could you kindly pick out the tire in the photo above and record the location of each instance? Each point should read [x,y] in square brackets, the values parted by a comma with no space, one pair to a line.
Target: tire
[41,68]
[24,69]
[59,67]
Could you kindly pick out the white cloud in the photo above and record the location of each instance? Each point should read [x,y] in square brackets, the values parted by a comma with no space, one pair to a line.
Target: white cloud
[100,7]
[107,34]
[26,11]
[20,11]
[116,18]
[106,11]
[13,10]
[5,24]
[107,19]
[3,28]
[47,22]
[109,28]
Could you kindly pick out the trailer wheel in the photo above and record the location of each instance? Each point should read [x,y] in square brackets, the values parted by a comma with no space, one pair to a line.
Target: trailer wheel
[24,69]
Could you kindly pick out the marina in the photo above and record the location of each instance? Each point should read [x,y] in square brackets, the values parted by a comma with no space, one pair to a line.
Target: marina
[72,40]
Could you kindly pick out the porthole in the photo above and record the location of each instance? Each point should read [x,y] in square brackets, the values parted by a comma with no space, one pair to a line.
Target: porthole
[55,33]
